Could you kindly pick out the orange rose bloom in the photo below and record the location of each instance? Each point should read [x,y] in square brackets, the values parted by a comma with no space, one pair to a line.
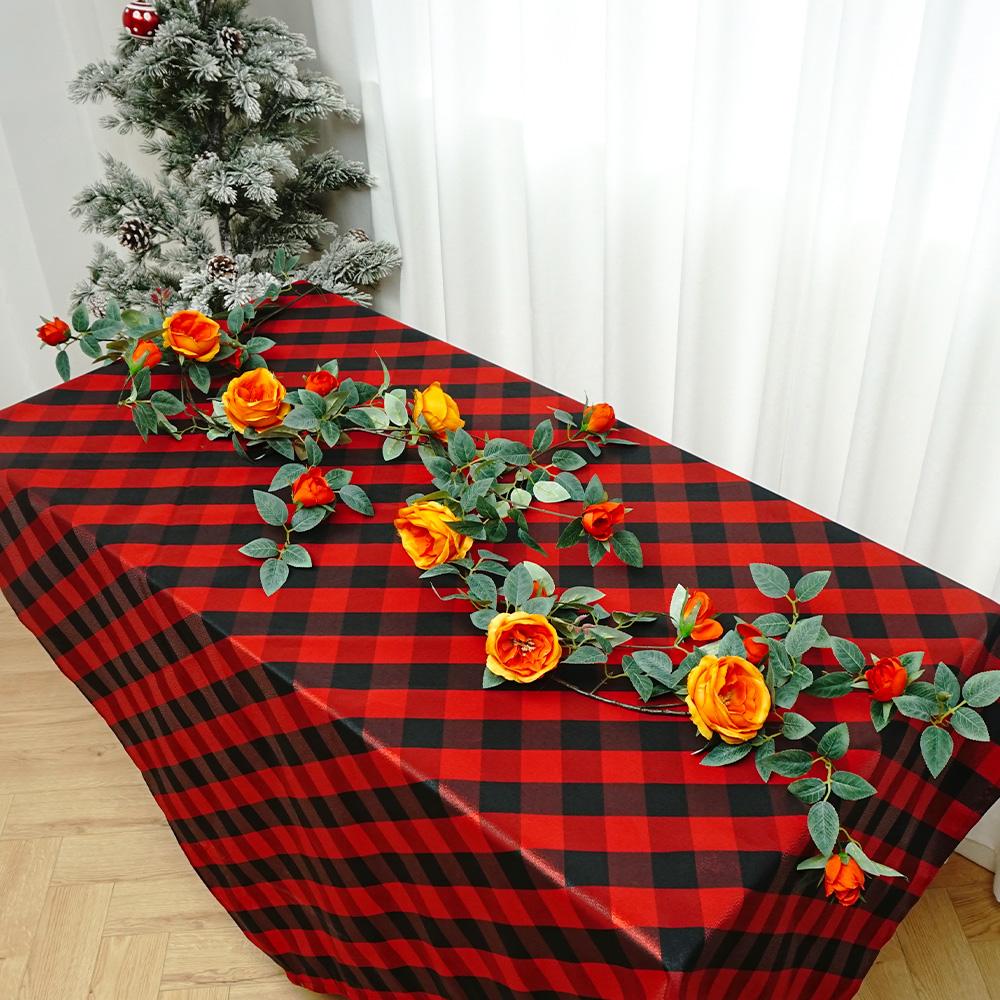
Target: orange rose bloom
[439,410]
[601,519]
[727,695]
[845,880]
[706,628]
[255,399]
[53,332]
[599,418]
[521,647]
[321,382]
[426,537]
[147,353]
[192,334]
[887,679]
[753,642]
[311,489]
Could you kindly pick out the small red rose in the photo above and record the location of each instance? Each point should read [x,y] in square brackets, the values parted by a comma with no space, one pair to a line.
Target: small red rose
[147,353]
[753,642]
[843,880]
[601,519]
[887,679]
[321,382]
[599,418]
[311,489]
[53,332]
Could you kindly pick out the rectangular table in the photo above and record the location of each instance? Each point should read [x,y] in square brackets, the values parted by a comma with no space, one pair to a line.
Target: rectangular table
[375,821]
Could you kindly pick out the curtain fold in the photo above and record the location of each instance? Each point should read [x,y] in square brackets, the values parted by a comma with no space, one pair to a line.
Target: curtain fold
[764,231]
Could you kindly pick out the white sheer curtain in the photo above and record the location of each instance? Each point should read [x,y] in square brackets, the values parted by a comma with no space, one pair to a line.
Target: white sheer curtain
[768,232]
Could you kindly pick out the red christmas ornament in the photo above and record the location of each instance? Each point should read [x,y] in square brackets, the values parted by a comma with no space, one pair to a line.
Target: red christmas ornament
[140,20]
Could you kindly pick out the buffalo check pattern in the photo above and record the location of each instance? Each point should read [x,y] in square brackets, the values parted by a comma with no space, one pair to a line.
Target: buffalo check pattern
[375,821]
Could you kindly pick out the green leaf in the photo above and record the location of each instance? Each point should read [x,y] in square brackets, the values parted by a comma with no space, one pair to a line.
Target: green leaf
[306,518]
[166,402]
[201,377]
[587,654]
[482,588]
[808,790]
[834,742]
[642,683]
[810,864]
[518,585]
[564,418]
[570,484]
[314,454]
[356,498]
[936,745]
[596,550]
[881,712]
[296,555]
[337,479]
[803,635]
[581,595]
[850,787]
[571,534]
[568,461]
[482,617]
[594,491]
[811,585]
[791,763]
[969,723]
[770,580]
[831,685]
[112,311]
[395,410]
[726,753]
[62,365]
[234,321]
[945,680]
[286,475]
[762,759]
[773,624]
[654,663]
[91,347]
[549,491]
[491,680]
[80,321]
[260,548]
[824,826]
[730,645]
[865,863]
[913,707]
[982,689]
[272,509]
[258,345]
[273,574]
[392,447]
[542,437]
[626,546]
[795,726]
[461,447]
[848,655]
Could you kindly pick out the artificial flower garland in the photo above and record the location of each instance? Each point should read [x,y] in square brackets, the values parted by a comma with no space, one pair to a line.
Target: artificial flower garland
[737,686]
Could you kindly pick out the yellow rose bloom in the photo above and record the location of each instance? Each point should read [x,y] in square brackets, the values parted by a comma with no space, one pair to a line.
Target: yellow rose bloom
[439,410]
[426,537]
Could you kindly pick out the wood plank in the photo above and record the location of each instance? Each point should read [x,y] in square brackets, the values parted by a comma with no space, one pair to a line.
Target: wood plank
[225,956]
[987,955]
[79,754]
[977,909]
[179,902]
[25,869]
[136,855]
[959,871]
[887,981]
[207,993]
[937,954]
[64,951]
[66,813]
[280,989]
[5,803]
[129,967]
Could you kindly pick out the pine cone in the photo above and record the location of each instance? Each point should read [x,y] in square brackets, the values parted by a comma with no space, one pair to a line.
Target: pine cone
[97,303]
[135,235]
[358,234]
[221,266]
[233,40]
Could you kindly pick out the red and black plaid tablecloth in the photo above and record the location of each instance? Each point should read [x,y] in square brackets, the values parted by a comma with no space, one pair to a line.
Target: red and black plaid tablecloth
[374,820]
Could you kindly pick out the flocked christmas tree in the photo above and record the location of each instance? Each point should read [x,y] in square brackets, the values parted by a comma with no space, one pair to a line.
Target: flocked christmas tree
[224,103]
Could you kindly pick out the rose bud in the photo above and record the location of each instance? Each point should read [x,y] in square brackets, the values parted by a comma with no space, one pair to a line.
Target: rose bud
[887,679]
[321,382]
[601,519]
[753,642]
[843,880]
[311,489]
[147,354]
[439,410]
[53,332]
[599,418]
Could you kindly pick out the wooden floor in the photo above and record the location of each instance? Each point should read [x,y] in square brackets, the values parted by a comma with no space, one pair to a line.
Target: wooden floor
[97,902]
